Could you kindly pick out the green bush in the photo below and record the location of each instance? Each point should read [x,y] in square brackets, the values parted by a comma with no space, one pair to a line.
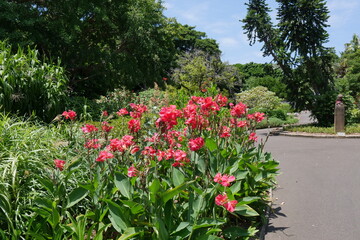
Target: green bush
[30,86]
[259,97]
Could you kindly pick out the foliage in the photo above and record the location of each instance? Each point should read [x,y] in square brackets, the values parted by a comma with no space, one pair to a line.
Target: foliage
[347,83]
[295,43]
[29,85]
[349,129]
[197,71]
[259,97]
[157,183]
[103,44]
[266,75]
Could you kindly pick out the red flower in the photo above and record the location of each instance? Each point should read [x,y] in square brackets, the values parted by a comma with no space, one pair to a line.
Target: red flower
[253,137]
[221,100]
[224,180]
[196,144]
[106,127]
[132,171]
[258,117]
[122,112]
[104,113]
[134,125]
[225,132]
[238,110]
[241,124]
[139,109]
[92,144]
[89,128]
[59,164]
[135,149]
[103,155]
[168,117]
[221,199]
[230,205]
[70,114]
[164,79]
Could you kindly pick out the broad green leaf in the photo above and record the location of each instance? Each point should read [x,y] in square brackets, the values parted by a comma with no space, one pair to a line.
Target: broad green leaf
[181,226]
[235,188]
[211,144]
[134,207]
[166,196]
[201,164]
[123,184]
[245,210]
[131,232]
[160,229]
[208,223]
[235,232]
[76,196]
[117,216]
[154,190]
[247,200]
[177,176]
[209,237]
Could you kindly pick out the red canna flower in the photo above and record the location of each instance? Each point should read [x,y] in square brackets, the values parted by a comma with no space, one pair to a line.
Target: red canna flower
[104,113]
[132,171]
[230,205]
[70,114]
[59,164]
[135,149]
[134,125]
[225,132]
[122,112]
[196,144]
[89,128]
[103,155]
[253,137]
[106,127]
[221,199]
[224,180]
[238,110]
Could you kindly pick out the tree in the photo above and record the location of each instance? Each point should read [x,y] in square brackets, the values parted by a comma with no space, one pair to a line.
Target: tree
[198,70]
[296,44]
[103,44]
[266,75]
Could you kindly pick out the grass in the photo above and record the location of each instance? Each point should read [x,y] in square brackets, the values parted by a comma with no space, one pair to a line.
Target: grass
[351,129]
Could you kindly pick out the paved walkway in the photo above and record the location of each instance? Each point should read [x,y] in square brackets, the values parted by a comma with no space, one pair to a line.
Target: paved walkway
[318,194]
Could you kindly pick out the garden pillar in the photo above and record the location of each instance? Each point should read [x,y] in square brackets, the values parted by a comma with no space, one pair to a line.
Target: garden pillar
[339,116]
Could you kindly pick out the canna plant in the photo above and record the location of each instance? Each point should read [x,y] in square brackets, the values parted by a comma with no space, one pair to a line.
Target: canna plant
[190,173]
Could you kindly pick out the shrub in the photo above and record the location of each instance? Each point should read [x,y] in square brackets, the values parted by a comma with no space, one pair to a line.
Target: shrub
[155,181]
[259,97]
[28,85]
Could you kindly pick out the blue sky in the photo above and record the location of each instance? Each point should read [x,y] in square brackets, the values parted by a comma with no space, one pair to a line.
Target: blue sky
[219,19]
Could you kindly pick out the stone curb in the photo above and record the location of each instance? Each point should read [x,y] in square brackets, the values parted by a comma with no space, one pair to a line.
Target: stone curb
[263,229]
[311,135]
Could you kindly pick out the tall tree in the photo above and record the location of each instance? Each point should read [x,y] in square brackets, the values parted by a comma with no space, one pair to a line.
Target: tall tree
[296,44]
[103,44]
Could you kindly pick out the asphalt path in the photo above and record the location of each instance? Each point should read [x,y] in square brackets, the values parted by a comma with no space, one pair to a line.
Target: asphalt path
[318,192]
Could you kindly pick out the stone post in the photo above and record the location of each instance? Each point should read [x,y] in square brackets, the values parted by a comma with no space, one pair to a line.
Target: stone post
[339,116]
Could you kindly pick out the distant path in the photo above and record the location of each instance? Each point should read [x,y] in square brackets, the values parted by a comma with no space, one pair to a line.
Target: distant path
[318,194]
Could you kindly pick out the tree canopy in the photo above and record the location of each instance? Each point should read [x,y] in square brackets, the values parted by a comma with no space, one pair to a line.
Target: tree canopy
[296,44]
[102,44]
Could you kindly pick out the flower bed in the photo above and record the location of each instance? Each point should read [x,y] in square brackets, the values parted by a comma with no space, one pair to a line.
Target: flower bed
[191,173]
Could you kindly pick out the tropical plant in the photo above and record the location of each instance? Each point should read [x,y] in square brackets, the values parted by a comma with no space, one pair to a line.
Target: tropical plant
[157,180]
[28,85]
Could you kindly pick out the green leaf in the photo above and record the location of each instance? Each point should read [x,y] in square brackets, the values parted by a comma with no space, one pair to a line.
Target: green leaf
[245,210]
[235,232]
[211,144]
[160,229]
[154,190]
[247,200]
[181,226]
[76,196]
[208,223]
[209,237]
[131,232]
[134,207]
[117,216]
[166,196]
[123,184]
[177,176]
